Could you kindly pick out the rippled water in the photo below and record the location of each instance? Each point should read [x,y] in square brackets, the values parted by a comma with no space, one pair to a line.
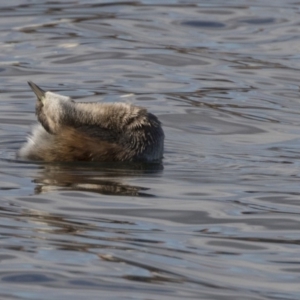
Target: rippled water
[221,219]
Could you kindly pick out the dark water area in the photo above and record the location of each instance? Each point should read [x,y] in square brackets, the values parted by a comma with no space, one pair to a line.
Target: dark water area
[220,219]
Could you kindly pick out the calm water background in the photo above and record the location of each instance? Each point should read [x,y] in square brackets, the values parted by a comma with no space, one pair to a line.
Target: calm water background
[221,220]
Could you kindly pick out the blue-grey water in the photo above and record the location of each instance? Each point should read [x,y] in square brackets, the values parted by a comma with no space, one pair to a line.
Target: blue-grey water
[221,219]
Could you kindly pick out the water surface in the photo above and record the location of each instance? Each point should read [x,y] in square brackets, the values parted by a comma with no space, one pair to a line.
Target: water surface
[220,220]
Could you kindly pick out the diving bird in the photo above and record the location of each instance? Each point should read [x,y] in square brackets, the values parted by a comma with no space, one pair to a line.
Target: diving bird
[106,132]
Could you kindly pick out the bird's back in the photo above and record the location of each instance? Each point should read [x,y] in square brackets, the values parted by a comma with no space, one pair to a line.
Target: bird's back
[97,132]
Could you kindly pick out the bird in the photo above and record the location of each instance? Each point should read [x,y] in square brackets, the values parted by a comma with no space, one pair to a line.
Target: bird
[91,131]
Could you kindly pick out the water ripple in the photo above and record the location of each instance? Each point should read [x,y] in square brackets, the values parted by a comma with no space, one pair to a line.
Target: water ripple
[219,219]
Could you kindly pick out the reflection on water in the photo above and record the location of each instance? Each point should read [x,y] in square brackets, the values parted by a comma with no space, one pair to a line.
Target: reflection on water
[102,178]
[220,218]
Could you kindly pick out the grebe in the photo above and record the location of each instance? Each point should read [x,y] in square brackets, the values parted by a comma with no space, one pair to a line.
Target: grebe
[70,131]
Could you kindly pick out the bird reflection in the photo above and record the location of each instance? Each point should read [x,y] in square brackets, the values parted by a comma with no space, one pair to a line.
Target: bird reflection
[105,179]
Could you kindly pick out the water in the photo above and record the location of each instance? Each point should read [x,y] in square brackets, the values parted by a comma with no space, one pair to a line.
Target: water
[221,219]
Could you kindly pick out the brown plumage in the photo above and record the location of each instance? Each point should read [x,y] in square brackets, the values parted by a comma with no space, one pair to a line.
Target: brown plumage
[70,131]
